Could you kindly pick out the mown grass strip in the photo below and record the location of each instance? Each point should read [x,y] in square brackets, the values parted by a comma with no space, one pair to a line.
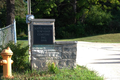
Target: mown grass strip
[105,38]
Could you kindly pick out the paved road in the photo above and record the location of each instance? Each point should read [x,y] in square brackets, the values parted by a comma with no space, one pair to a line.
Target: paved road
[104,58]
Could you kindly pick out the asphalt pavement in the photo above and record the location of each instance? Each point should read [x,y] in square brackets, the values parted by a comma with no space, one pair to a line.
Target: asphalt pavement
[103,58]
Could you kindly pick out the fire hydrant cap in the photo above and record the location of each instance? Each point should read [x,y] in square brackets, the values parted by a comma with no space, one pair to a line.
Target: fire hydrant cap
[7,51]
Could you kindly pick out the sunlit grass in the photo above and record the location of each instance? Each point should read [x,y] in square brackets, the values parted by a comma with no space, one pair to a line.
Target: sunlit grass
[106,38]
[78,73]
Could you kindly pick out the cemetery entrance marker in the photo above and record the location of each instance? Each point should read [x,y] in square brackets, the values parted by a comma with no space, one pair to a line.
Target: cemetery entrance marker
[45,50]
[42,34]
[43,31]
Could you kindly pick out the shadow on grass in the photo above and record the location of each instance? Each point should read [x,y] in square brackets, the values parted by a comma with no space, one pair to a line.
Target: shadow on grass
[22,38]
[107,61]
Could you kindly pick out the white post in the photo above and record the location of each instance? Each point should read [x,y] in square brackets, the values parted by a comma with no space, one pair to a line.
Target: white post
[29,38]
[15,36]
[29,43]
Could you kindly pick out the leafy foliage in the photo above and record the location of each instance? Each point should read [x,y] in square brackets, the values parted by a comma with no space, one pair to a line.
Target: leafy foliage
[97,16]
[20,10]
[53,68]
[2,13]
[47,7]
[20,57]
[72,31]
[94,16]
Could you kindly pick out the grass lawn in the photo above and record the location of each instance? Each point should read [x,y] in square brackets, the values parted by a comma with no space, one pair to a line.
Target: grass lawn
[105,38]
[25,42]
[78,73]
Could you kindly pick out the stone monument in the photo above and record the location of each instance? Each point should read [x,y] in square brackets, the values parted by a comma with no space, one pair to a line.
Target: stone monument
[44,48]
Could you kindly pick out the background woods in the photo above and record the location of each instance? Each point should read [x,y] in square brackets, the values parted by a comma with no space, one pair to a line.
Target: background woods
[74,18]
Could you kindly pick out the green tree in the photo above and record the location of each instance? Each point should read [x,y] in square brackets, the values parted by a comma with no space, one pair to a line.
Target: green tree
[17,8]
[20,8]
[10,9]
[84,6]
[97,16]
[20,16]
[43,8]
[2,13]
[98,20]
[62,10]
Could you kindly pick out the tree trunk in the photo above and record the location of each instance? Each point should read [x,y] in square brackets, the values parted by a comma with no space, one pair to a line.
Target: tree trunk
[10,11]
[74,6]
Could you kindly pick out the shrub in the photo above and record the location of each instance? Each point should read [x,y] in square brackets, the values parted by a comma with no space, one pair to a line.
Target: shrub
[52,68]
[20,57]
[22,34]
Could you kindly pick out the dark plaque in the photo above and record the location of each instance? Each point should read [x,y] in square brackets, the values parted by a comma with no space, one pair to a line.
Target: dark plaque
[42,34]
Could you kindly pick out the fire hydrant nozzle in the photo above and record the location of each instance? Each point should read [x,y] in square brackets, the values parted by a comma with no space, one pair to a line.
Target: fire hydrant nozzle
[6,62]
[2,62]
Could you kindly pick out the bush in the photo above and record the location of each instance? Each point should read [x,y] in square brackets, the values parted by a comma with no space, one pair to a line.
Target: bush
[22,34]
[20,57]
[53,68]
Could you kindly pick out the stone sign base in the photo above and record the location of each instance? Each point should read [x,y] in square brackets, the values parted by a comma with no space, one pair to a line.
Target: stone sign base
[63,54]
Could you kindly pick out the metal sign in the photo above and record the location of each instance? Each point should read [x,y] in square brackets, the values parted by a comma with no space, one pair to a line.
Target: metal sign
[42,34]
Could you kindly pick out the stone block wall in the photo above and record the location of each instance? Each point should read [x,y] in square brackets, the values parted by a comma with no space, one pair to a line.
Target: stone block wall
[63,54]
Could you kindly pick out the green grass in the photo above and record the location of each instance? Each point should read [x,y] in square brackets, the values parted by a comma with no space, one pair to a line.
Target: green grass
[78,73]
[25,42]
[105,38]
[22,38]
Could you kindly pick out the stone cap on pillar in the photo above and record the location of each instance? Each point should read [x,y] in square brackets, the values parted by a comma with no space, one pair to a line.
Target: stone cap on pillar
[66,42]
[43,20]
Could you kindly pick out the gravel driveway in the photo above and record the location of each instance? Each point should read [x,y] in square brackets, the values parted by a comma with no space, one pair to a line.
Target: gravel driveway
[104,58]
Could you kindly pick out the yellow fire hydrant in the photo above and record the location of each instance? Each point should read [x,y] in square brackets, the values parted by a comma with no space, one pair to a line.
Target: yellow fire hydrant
[6,62]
